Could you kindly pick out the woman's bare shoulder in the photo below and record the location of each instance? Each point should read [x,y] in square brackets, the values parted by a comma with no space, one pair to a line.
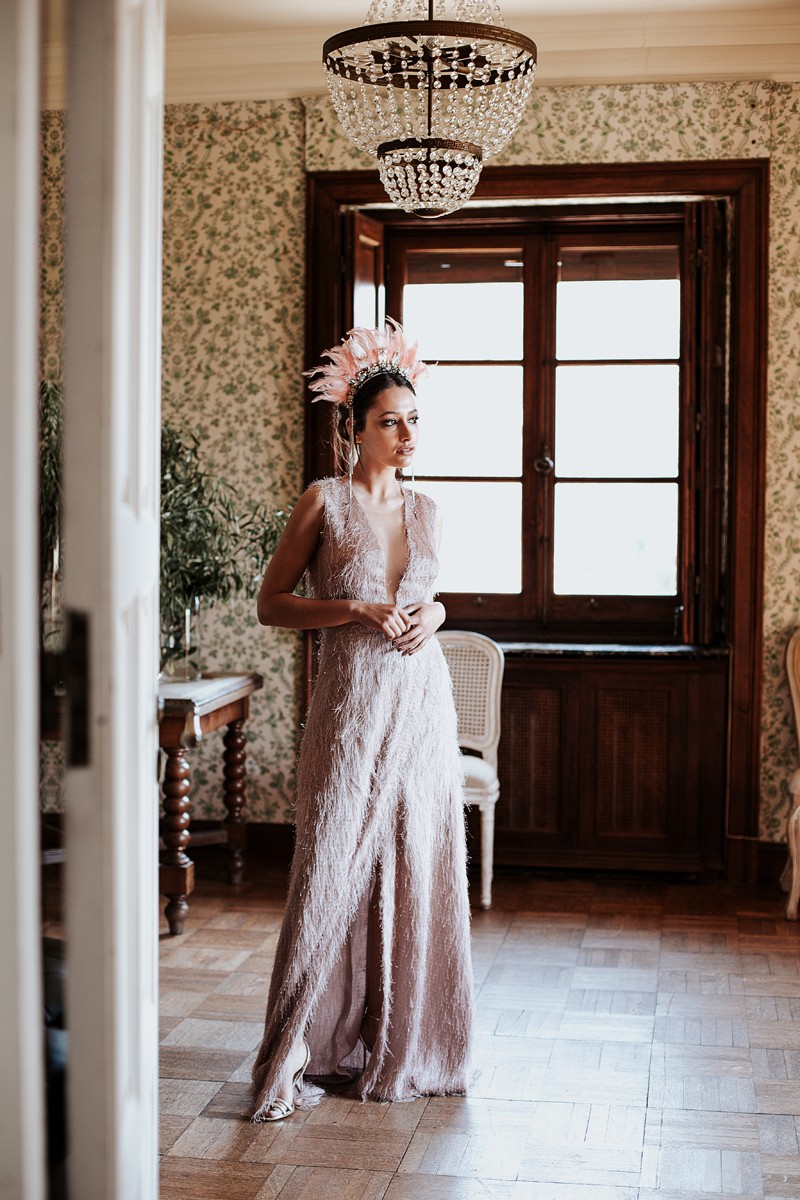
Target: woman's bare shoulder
[310,508]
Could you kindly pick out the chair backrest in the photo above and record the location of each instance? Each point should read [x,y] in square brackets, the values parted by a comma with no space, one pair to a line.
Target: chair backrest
[793,671]
[476,668]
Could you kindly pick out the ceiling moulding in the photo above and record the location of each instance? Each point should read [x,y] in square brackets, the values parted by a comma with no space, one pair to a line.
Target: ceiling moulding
[615,48]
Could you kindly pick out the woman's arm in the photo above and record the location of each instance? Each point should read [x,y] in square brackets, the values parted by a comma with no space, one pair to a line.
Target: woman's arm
[277,604]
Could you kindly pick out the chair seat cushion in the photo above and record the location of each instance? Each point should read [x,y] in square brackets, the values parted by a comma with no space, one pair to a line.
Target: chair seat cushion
[478,773]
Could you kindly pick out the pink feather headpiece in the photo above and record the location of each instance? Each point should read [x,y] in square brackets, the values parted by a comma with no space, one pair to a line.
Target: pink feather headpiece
[362,354]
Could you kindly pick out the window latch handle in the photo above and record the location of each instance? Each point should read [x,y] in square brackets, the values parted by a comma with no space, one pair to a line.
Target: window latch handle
[677,615]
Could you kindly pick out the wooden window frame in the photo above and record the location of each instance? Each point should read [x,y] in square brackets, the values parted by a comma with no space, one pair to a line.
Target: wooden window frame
[743,185]
[537,611]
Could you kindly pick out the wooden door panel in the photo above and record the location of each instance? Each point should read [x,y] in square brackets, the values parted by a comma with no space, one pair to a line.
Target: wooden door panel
[364,301]
[635,762]
[531,785]
[111,525]
[22,1148]
[537,760]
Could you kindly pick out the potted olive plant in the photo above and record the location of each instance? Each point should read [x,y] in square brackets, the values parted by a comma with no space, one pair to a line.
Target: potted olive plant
[211,548]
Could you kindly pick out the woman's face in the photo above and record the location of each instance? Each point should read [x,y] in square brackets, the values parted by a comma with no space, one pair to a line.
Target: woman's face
[389,436]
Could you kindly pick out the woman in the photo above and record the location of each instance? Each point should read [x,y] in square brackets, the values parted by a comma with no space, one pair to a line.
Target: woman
[372,978]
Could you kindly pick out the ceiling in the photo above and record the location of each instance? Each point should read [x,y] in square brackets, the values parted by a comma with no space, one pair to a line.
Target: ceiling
[228,16]
[270,49]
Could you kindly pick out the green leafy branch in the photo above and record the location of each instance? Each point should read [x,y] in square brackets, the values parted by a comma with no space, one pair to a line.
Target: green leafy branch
[210,546]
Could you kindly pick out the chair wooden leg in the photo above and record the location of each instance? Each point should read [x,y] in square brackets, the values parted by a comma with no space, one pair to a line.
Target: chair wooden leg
[794,846]
[487,853]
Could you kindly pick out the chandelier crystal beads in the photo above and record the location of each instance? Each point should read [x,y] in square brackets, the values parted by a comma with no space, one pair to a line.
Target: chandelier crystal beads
[430,98]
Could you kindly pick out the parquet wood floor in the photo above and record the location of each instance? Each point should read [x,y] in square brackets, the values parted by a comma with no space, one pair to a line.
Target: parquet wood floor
[637,1040]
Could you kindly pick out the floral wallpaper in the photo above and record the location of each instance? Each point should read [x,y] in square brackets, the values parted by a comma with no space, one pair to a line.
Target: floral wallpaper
[233,255]
[782,541]
[234,232]
[233,315]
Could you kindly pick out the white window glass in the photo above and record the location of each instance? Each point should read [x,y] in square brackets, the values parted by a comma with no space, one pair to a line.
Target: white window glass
[618,318]
[464,320]
[482,536]
[617,421]
[616,539]
[470,422]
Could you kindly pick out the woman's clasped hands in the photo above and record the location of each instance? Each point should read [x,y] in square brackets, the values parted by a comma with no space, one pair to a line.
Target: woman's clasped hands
[409,628]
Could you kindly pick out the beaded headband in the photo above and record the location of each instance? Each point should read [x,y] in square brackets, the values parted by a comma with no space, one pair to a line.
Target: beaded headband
[363,354]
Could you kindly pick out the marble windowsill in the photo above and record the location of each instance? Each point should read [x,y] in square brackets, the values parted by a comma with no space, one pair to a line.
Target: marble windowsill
[609,650]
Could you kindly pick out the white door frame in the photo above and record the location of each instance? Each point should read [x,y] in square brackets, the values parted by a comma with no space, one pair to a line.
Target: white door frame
[111,437]
[21,1070]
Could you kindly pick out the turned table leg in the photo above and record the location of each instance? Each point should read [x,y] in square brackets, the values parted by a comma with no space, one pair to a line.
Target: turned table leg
[176,873]
[234,794]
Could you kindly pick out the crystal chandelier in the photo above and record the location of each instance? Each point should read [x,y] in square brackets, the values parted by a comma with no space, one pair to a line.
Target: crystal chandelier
[430,98]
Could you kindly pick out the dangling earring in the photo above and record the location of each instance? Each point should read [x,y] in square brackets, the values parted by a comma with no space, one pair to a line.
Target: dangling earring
[351,453]
[413,491]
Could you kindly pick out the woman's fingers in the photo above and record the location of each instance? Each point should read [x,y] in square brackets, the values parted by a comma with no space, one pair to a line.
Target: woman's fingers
[413,648]
[395,626]
[409,631]
[410,645]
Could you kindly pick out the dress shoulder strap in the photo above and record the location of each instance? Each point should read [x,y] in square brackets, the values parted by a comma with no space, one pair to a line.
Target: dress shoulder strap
[333,490]
[427,516]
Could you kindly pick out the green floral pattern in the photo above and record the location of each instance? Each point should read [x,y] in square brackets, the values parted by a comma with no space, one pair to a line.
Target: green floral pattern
[233,333]
[234,232]
[51,243]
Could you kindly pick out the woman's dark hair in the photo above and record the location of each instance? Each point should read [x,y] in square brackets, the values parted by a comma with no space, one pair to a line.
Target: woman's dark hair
[362,403]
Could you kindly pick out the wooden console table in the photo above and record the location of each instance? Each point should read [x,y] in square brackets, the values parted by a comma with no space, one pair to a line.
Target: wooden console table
[190,709]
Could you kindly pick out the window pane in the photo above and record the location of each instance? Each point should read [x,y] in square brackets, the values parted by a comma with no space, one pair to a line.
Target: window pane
[481,547]
[464,320]
[617,421]
[618,318]
[470,422]
[616,539]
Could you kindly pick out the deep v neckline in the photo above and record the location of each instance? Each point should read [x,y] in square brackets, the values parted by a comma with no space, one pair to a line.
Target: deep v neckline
[380,549]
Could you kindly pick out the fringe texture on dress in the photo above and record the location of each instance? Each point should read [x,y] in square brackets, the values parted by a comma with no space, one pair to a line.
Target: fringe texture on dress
[377,904]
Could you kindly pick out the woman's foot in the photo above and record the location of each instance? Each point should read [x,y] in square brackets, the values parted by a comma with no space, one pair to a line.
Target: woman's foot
[283,1103]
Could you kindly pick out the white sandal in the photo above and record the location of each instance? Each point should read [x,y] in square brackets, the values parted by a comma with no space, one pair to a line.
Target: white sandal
[279,1108]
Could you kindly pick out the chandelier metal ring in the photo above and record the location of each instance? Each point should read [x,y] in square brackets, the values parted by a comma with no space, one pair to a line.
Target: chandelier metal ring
[428,29]
[428,144]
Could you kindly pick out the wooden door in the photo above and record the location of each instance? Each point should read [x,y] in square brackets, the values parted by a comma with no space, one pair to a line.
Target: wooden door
[357,292]
[21,1130]
[111,540]
[365,302]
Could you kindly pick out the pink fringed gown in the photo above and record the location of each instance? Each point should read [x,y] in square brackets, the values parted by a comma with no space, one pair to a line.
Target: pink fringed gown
[378,885]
